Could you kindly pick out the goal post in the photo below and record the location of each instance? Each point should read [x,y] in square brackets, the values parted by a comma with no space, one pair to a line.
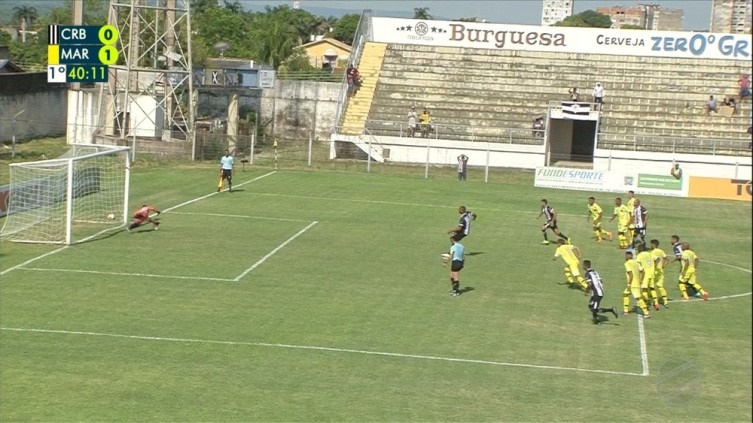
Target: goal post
[77,196]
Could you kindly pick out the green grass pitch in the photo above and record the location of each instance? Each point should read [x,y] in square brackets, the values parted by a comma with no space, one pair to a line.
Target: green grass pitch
[320,296]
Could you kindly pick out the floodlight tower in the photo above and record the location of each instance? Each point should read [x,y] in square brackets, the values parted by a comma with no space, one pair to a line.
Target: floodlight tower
[150,92]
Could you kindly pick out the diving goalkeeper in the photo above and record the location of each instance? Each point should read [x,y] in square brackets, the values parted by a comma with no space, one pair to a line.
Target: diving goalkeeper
[142,217]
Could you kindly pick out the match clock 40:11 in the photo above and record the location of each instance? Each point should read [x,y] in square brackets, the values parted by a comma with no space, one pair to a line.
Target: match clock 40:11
[84,74]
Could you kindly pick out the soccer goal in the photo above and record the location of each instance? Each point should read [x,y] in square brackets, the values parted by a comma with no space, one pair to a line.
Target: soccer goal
[81,194]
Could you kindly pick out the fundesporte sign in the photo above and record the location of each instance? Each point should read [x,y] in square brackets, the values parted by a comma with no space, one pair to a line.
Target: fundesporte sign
[688,45]
[604,181]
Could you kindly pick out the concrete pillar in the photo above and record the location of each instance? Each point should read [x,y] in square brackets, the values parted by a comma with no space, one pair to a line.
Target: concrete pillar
[232,122]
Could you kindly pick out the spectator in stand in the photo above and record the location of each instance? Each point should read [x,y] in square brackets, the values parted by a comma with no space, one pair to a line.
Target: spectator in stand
[412,118]
[349,77]
[730,102]
[574,94]
[598,94]
[744,82]
[538,127]
[425,123]
[711,105]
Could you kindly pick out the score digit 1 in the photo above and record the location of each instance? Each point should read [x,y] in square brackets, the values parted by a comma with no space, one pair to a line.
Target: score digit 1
[57,73]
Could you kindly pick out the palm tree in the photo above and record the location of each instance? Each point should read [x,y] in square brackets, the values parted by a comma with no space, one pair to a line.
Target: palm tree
[25,15]
[276,41]
[422,13]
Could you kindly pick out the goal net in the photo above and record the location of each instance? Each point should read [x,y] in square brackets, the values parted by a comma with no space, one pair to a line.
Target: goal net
[80,194]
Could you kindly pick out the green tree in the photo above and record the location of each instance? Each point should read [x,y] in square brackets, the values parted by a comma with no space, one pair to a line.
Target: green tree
[345,28]
[631,27]
[422,13]
[588,18]
[5,38]
[298,62]
[201,6]
[25,16]
[234,7]
[274,41]
[218,24]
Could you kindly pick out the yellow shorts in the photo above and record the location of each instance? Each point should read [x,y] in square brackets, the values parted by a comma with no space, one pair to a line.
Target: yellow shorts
[648,281]
[689,277]
[659,279]
[572,269]
[622,228]
[634,291]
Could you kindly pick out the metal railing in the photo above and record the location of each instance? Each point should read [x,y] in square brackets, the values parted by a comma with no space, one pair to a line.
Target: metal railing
[656,144]
[363,34]
[456,132]
[323,76]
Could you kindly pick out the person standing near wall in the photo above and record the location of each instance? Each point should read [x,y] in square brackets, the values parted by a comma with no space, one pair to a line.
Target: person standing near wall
[462,167]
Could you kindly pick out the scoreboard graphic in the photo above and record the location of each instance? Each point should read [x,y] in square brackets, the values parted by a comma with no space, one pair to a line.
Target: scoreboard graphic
[80,53]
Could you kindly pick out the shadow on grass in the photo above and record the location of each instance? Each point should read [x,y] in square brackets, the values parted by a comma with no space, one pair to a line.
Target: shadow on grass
[475,253]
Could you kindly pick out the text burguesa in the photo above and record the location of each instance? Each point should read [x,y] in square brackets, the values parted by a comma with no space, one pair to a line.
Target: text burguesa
[460,32]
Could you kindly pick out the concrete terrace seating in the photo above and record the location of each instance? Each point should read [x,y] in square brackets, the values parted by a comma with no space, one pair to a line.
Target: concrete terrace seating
[483,90]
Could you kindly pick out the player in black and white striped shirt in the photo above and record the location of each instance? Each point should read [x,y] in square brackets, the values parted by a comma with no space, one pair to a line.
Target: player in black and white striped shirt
[596,286]
[464,224]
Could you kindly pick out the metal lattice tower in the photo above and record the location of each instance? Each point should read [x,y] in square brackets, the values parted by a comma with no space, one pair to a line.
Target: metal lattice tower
[150,93]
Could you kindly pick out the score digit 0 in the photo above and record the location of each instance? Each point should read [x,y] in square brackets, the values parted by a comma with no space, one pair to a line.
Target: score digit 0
[108,35]
[108,55]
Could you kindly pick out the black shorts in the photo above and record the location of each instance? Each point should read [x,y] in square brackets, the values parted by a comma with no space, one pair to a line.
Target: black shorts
[595,302]
[598,100]
[640,231]
[458,236]
[551,225]
[456,266]
[227,173]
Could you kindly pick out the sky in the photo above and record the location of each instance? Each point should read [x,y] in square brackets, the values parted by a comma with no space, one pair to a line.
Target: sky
[527,12]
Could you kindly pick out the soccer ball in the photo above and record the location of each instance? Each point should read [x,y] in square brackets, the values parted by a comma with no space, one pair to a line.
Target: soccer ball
[111,216]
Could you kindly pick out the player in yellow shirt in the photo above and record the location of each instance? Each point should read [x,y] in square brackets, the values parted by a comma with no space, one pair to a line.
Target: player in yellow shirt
[688,274]
[571,255]
[646,265]
[595,213]
[661,261]
[631,206]
[622,213]
[633,286]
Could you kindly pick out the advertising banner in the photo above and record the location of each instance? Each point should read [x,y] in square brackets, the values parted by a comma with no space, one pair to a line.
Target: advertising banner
[688,45]
[720,188]
[599,180]
[661,185]
[578,179]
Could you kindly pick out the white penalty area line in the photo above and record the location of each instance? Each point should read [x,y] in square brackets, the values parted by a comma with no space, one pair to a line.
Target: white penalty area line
[185,203]
[241,216]
[203,197]
[145,275]
[273,252]
[644,349]
[318,348]
[695,300]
